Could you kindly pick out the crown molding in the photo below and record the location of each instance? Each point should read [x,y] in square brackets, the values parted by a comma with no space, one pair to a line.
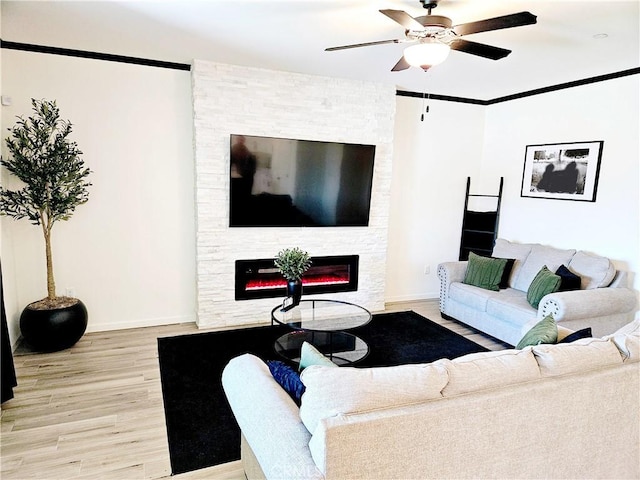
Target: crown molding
[528,93]
[27,47]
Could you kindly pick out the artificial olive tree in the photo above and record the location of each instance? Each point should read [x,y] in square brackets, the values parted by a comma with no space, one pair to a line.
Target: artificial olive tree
[53,175]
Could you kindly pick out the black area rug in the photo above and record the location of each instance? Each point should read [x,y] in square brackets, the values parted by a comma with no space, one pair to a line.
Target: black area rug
[201,428]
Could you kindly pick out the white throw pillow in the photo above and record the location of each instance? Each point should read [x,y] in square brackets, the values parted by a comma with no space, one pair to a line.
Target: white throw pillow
[336,391]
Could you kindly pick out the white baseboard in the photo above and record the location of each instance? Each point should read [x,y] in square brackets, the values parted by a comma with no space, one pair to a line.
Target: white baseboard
[107,327]
[412,298]
[140,323]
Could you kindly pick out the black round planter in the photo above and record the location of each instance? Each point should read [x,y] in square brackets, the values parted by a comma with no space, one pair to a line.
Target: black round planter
[53,329]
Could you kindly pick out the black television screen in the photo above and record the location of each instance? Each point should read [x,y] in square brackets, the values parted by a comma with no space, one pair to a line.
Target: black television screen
[285,182]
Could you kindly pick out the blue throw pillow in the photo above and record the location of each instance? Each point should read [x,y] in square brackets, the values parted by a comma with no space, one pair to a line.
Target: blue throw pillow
[287,378]
[572,337]
[504,281]
[568,279]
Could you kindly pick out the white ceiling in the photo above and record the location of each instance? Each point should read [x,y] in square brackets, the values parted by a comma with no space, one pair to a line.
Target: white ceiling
[292,35]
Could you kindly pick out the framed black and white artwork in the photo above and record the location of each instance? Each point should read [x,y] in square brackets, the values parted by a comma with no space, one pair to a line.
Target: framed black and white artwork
[562,171]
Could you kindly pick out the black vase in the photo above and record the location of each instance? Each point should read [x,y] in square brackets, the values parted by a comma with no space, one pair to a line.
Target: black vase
[294,290]
[53,329]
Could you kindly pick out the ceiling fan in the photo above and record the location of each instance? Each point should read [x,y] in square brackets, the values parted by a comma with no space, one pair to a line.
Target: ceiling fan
[434,36]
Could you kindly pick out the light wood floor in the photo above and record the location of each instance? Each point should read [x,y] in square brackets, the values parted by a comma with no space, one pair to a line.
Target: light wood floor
[95,411]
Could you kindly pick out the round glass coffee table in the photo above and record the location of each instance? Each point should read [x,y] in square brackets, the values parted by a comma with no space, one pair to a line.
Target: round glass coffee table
[323,324]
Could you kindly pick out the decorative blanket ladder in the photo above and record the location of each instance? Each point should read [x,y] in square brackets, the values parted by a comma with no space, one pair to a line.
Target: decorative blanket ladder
[479,228]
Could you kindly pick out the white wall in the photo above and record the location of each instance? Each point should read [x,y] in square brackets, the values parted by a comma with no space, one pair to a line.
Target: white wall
[129,252]
[432,161]
[603,111]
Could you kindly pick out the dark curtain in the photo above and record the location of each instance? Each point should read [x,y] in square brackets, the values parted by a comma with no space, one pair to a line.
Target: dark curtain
[8,378]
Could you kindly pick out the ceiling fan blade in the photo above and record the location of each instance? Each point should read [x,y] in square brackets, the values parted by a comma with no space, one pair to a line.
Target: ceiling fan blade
[357,45]
[479,49]
[403,18]
[401,65]
[497,23]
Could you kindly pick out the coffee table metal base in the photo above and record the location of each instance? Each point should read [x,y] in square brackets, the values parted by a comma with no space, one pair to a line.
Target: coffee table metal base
[341,348]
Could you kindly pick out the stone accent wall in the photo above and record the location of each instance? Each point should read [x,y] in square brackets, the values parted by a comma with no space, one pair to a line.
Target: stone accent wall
[242,100]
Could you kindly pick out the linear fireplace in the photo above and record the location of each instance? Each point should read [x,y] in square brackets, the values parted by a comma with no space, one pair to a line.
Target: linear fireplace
[260,278]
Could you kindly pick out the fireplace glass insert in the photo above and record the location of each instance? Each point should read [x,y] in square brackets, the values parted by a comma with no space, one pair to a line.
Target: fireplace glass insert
[260,278]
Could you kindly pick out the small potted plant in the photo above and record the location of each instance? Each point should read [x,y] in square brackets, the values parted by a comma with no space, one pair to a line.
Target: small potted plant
[53,184]
[292,263]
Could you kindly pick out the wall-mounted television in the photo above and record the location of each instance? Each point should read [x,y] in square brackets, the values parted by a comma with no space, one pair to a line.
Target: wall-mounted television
[299,183]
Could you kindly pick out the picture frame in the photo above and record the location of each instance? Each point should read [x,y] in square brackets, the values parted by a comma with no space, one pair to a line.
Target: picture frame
[562,171]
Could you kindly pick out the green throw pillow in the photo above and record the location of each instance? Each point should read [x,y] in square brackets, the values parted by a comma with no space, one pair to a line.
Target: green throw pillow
[484,272]
[545,331]
[544,282]
[310,355]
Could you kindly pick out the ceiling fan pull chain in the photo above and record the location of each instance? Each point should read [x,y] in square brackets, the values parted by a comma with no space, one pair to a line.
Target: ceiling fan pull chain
[425,109]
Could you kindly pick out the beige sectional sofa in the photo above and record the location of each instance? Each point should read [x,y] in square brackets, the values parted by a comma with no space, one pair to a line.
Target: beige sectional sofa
[548,411]
[604,302]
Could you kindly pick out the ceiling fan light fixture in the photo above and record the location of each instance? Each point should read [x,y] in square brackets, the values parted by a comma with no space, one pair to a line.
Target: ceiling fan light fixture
[426,54]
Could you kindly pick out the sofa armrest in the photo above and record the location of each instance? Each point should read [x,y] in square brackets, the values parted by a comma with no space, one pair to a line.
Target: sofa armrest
[448,273]
[621,280]
[580,304]
[269,420]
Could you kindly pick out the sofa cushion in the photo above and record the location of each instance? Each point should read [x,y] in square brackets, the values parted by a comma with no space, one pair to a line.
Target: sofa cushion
[517,251]
[310,355]
[545,331]
[479,371]
[544,283]
[594,271]
[581,355]
[471,296]
[484,272]
[511,306]
[335,391]
[568,280]
[540,256]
